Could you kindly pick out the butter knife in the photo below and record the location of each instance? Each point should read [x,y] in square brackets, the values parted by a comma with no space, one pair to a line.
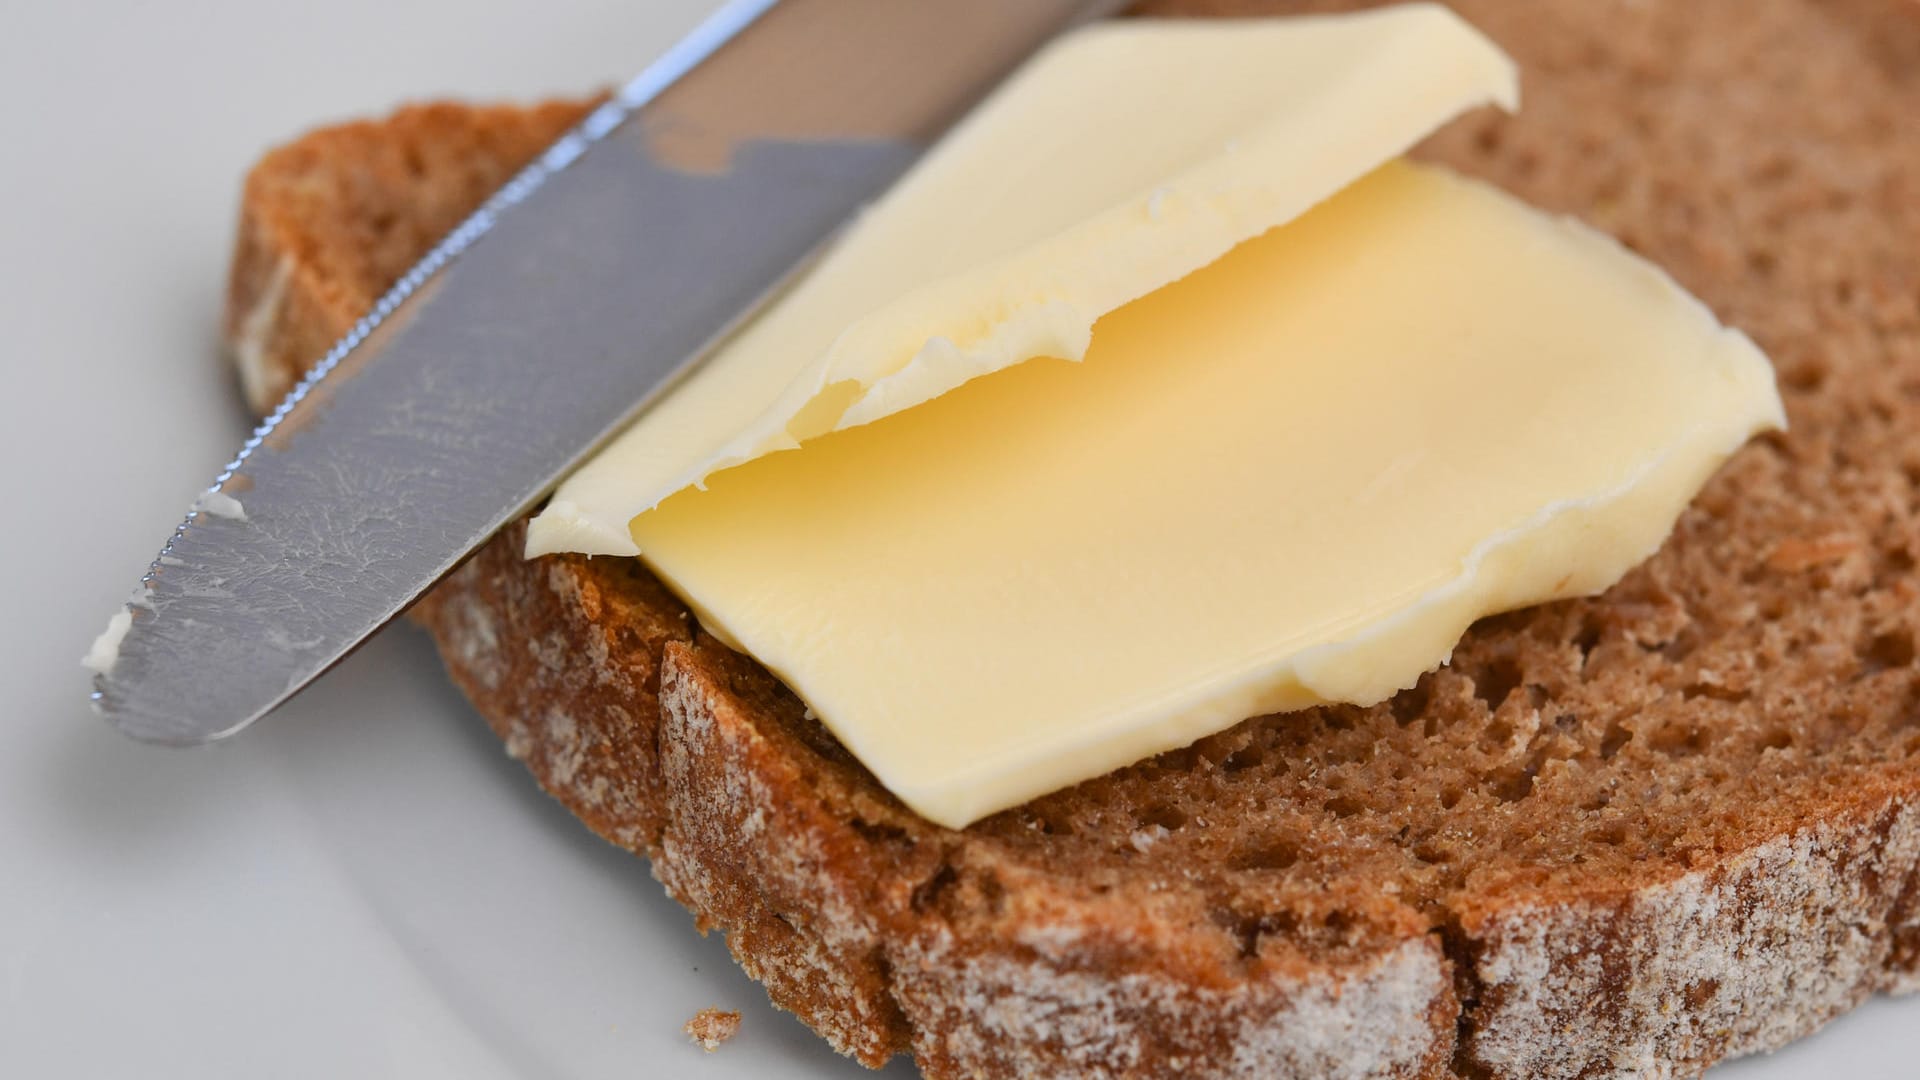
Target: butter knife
[557,313]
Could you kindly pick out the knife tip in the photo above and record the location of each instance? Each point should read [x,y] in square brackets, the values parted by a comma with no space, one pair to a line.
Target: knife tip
[148,718]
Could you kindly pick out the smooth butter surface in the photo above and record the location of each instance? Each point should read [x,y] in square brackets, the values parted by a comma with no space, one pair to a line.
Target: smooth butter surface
[1124,157]
[1295,476]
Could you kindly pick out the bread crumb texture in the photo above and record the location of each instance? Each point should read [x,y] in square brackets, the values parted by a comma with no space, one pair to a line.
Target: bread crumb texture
[710,1027]
[1619,837]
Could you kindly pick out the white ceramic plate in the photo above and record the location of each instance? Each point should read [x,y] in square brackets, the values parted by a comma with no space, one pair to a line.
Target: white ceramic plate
[366,885]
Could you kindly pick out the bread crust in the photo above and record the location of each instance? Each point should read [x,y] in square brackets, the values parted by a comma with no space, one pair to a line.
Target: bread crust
[666,743]
[1565,908]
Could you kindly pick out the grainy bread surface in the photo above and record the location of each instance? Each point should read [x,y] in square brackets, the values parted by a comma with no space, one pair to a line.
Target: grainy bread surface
[1625,836]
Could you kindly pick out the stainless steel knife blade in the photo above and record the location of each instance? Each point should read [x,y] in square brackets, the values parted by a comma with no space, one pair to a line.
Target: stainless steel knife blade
[533,332]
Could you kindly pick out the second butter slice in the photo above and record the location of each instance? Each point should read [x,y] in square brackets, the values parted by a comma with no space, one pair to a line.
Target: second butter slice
[1125,156]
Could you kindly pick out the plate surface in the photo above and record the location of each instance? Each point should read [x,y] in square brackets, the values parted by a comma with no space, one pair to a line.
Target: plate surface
[365,885]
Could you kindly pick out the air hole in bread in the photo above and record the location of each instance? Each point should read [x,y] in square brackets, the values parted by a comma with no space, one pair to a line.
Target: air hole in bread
[1681,646]
[1168,817]
[1898,560]
[1497,735]
[994,894]
[1248,928]
[1610,835]
[882,834]
[1494,682]
[1713,691]
[1587,638]
[1270,854]
[1343,806]
[1679,740]
[1179,760]
[1512,785]
[931,893]
[1409,705]
[1889,649]
[1251,756]
[1339,925]
[1617,736]
[1052,825]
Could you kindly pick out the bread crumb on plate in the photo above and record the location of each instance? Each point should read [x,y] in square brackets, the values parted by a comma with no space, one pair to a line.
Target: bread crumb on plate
[710,1027]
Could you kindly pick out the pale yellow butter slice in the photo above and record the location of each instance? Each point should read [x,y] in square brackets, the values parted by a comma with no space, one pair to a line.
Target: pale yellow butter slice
[1294,476]
[1125,157]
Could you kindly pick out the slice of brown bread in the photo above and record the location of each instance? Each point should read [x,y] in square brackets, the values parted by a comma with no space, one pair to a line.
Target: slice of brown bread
[1627,836]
